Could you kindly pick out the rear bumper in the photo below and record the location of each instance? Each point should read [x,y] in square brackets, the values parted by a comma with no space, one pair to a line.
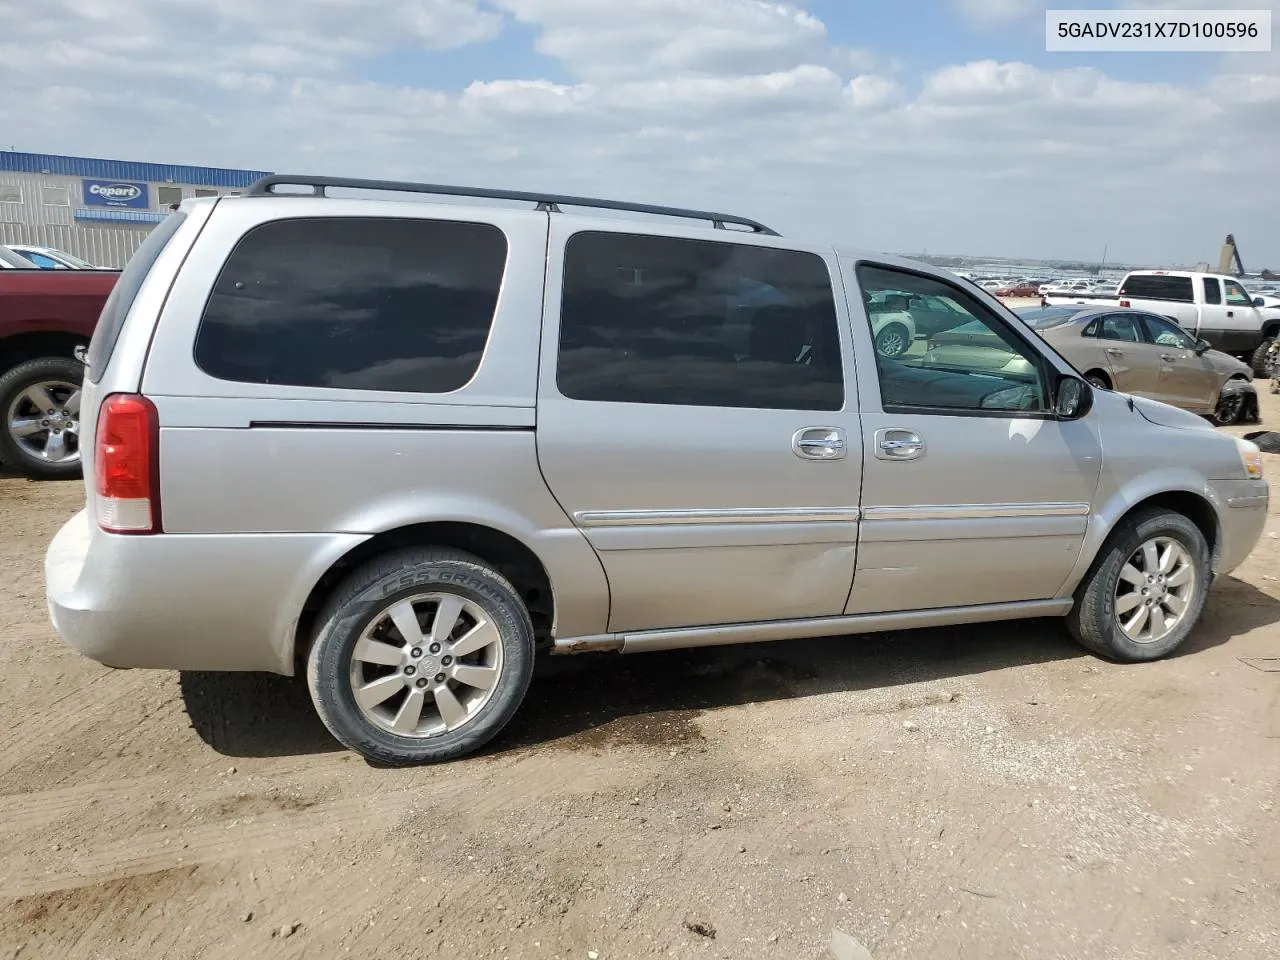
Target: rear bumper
[184,602]
[1241,521]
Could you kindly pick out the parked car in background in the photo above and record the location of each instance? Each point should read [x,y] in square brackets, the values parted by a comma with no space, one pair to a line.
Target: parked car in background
[45,316]
[398,446]
[51,258]
[1018,290]
[892,323]
[1208,306]
[1130,351]
[10,260]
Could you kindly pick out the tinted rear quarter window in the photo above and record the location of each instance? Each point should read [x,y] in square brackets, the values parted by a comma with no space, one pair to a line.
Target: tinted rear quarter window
[665,320]
[1148,287]
[357,303]
[103,342]
[1212,290]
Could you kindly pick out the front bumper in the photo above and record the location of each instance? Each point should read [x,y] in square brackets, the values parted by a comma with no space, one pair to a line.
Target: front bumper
[185,601]
[1242,515]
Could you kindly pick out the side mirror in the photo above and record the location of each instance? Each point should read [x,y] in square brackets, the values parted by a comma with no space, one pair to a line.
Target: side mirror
[1259,302]
[1202,347]
[1072,398]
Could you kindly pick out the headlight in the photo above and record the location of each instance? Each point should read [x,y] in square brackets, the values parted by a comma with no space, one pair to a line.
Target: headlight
[1250,458]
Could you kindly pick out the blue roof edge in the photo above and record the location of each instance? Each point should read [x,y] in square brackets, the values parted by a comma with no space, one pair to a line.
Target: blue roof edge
[12,161]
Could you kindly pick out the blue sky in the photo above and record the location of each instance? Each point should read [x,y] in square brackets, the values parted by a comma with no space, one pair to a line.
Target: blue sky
[939,34]
[907,125]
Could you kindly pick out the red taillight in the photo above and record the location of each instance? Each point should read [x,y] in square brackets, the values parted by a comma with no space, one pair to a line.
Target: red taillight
[126,464]
[1124,303]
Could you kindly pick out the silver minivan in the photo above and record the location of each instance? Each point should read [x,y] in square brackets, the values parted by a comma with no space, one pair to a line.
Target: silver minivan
[399,446]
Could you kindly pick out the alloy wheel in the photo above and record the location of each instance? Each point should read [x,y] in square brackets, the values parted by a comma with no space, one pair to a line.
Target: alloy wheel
[1154,590]
[426,664]
[44,421]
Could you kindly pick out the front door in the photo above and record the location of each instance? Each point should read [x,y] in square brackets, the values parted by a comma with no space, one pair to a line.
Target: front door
[1186,379]
[697,422]
[973,492]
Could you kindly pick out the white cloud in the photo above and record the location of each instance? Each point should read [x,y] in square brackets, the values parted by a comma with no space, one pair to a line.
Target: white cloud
[868,91]
[731,104]
[605,40]
[997,11]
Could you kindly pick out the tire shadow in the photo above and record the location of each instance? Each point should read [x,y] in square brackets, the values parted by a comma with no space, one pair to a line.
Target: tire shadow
[594,700]
[254,715]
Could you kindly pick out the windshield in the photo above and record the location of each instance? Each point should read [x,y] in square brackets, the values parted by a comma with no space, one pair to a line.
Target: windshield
[1044,317]
[11,258]
[72,259]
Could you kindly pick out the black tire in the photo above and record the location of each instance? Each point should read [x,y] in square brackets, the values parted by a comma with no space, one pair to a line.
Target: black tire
[1098,379]
[363,597]
[1093,620]
[12,384]
[1229,409]
[1259,362]
[885,340]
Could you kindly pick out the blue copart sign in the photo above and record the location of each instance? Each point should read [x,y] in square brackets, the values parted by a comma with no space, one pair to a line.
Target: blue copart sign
[115,193]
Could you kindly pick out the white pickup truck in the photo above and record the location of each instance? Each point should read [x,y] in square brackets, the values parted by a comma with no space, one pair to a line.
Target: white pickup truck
[1209,306]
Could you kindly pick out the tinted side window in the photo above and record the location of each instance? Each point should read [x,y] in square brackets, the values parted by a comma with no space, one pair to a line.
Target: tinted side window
[1212,290]
[979,365]
[1236,297]
[1149,287]
[1167,333]
[355,303]
[114,311]
[697,323]
[1120,326]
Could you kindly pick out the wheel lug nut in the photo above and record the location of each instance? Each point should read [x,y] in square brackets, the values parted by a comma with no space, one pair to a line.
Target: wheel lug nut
[422,682]
[415,652]
[410,670]
[447,660]
[439,678]
[435,648]
[44,423]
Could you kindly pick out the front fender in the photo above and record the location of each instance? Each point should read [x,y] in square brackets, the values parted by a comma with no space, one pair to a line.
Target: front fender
[1134,492]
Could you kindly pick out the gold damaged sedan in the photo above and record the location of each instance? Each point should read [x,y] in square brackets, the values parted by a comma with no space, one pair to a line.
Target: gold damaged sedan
[1130,351]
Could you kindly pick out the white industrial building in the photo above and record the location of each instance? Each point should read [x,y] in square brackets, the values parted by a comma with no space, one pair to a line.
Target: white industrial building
[99,210]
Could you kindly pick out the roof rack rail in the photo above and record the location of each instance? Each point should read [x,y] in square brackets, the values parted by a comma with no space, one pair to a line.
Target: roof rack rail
[549,202]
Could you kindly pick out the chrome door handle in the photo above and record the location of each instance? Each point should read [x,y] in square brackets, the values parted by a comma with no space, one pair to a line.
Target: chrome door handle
[896,443]
[1168,358]
[1114,352]
[819,443]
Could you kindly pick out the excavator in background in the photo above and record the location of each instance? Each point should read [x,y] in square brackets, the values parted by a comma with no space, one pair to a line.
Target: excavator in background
[1229,261]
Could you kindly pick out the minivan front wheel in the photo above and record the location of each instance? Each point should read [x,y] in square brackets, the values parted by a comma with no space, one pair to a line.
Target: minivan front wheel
[422,655]
[1146,590]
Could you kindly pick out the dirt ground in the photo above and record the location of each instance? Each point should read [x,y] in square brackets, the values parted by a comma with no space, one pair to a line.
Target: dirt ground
[986,792]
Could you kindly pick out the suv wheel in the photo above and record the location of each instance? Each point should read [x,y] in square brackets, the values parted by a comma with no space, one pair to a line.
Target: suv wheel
[1261,360]
[421,656]
[1146,589]
[893,341]
[40,407]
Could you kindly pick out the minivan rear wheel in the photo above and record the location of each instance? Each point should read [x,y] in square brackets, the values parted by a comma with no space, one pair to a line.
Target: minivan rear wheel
[1146,590]
[421,656]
